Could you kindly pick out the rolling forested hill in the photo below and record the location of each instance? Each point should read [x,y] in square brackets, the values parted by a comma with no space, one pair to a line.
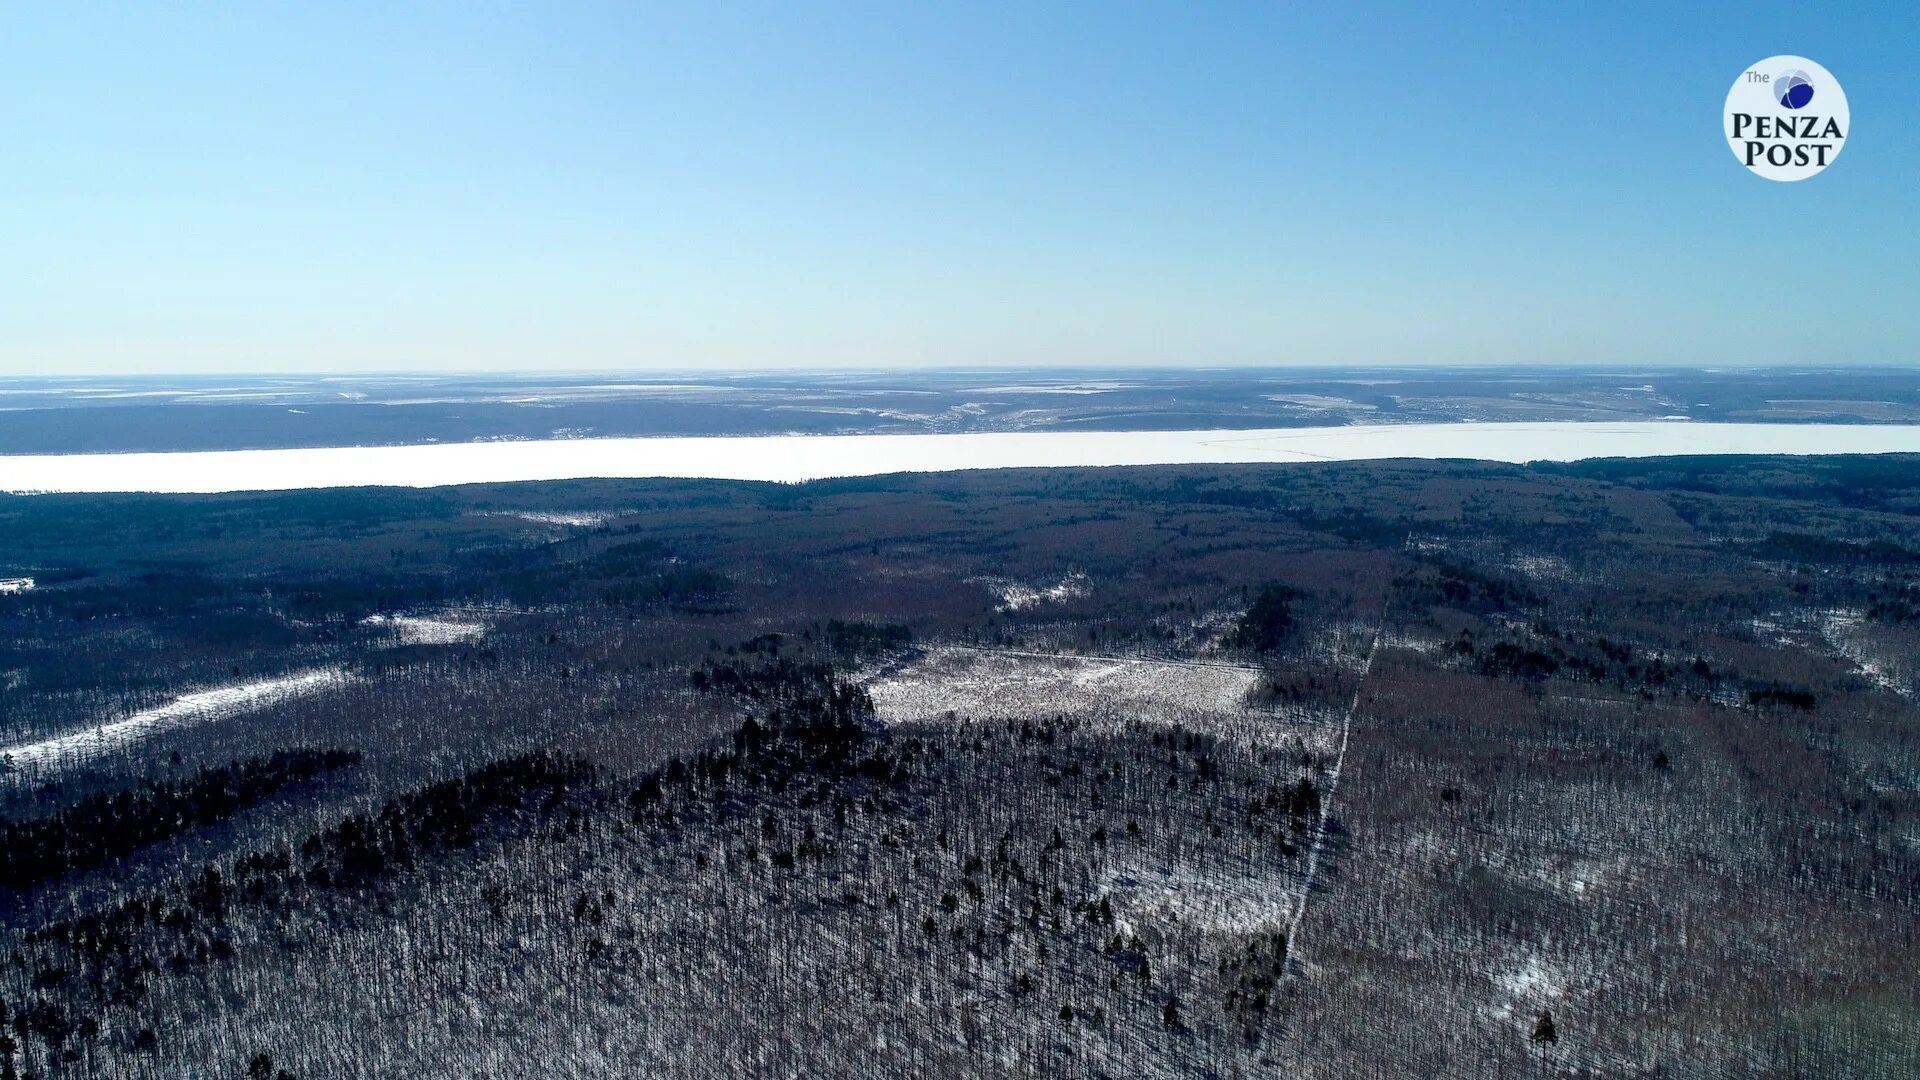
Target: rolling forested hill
[1404,769]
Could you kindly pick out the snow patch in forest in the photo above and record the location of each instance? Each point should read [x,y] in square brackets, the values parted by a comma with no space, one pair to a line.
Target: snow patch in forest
[428,629]
[982,682]
[1408,640]
[1209,900]
[1544,567]
[576,519]
[1528,983]
[957,684]
[1018,596]
[185,711]
[1846,632]
[1582,878]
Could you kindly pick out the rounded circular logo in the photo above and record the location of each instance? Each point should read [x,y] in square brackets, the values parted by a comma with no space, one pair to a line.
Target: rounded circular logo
[1786,118]
[1793,89]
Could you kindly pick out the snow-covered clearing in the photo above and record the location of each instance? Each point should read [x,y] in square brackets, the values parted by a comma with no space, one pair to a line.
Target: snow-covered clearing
[186,711]
[428,629]
[965,683]
[979,683]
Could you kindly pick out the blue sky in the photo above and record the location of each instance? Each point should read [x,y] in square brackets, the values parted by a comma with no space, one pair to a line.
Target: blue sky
[200,187]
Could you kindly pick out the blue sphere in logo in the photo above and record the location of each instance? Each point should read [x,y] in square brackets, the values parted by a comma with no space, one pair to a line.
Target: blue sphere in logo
[1793,89]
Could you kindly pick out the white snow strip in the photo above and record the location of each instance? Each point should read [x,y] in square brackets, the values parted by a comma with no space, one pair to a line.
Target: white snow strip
[580,519]
[185,711]
[793,458]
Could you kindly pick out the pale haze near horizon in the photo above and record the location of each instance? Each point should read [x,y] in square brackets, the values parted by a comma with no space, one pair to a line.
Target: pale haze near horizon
[576,188]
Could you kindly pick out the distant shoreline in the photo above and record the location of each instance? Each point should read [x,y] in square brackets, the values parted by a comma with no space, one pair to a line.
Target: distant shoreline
[178,415]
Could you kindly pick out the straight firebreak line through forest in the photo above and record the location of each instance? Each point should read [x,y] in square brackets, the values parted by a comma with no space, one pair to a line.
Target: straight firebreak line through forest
[1326,804]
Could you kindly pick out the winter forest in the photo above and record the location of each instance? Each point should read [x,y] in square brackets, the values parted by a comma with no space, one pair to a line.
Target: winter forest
[1344,770]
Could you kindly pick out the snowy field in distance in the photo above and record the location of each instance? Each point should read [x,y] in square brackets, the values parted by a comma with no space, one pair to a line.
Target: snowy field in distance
[982,683]
[977,684]
[793,458]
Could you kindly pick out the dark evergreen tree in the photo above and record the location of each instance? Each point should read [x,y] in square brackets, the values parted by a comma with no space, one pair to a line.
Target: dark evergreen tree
[1544,1036]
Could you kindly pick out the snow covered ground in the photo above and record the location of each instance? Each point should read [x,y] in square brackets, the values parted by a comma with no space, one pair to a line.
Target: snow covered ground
[186,711]
[1020,596]
[971,683]
[965,683]
[1885,665]
[981,683]
[1202,898]
[579,519]
[793,458]
[428,629]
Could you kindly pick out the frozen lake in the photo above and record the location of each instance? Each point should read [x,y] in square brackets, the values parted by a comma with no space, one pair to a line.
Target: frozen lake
[791,458]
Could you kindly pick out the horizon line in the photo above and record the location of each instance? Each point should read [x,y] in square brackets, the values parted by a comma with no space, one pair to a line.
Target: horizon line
[968,369]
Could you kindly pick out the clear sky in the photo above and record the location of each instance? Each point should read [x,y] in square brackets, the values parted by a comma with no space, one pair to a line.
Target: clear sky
[278,187]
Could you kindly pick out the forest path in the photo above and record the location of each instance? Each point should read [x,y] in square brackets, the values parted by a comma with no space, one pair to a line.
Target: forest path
[1326,803]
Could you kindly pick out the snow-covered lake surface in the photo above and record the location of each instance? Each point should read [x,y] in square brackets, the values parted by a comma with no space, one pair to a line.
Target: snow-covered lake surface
[792,458]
